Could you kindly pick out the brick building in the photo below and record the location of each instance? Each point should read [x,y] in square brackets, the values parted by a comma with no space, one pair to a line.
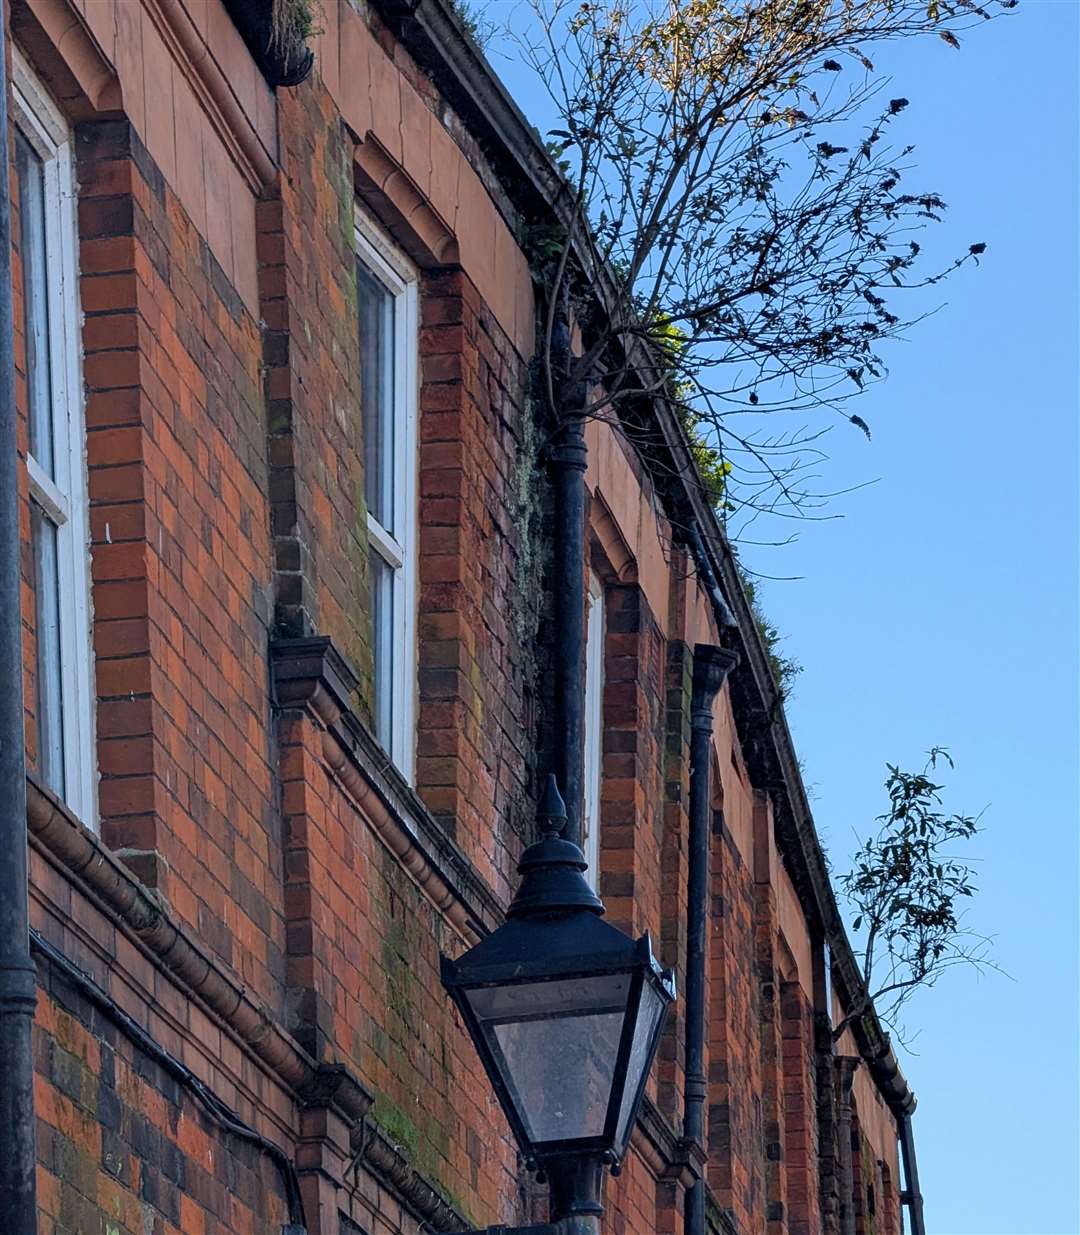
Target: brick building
[286,625]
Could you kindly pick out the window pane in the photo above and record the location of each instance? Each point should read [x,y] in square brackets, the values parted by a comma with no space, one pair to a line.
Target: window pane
[377,308]
[594,715]
[49,684]
[382,620]
[31,177]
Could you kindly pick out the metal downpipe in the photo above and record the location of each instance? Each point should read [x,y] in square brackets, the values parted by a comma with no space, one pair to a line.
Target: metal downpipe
[911,1195]
[846,1067]
[711,667]
[567,460]
[18,977]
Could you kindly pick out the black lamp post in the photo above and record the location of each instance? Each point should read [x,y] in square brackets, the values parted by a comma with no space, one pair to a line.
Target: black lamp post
[565,1012]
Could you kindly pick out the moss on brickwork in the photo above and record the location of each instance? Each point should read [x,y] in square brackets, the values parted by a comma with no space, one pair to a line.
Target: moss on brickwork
[397,1126]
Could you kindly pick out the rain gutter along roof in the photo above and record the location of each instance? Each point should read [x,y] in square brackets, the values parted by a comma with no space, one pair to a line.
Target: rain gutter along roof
[434,35]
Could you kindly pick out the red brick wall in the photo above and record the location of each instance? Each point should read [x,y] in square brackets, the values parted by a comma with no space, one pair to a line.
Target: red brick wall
[181,562]
[736,1118]
[120,1141]
[631,797]
[674,866]
[225,484]
[307,287]
[480,577]
[800,1125]
[363,961]
[770,1039]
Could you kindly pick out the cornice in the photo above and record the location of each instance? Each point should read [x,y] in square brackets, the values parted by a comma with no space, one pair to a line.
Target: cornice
[666,1154]
[372,1147]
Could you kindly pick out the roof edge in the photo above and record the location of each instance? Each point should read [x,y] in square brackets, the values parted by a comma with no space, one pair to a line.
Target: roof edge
[434,34]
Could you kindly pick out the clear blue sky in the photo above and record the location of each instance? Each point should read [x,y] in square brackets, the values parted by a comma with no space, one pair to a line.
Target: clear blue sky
[943,609]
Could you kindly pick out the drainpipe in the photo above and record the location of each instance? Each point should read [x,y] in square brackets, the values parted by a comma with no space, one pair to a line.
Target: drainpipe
[567,460]
[18,979]
[711,667]
[845,1078]
[911,1196]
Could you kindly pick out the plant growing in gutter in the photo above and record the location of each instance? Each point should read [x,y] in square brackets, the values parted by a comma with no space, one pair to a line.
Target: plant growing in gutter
[479,28]
[731,175]
[785,669]
[907,891]
[292,24]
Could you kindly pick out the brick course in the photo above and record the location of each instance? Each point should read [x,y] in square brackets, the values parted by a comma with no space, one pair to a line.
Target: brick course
[225,480]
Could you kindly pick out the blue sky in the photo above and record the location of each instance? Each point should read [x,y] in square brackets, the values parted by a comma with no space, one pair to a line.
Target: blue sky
[942,609]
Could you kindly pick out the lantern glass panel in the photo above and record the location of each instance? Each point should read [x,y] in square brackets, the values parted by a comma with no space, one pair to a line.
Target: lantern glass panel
[556,1044]
[650,1011]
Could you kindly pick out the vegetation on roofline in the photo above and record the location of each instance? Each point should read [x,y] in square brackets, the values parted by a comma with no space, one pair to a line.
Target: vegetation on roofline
[906,892]
[292,24]
[713,472]
[733,165]
[785,669]
[476,25]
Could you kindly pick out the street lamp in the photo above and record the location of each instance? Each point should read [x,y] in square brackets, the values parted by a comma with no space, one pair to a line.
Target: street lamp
[565,1013]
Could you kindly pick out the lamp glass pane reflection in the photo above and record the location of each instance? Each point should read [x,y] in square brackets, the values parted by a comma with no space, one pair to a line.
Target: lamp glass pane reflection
[649,1020]
[556,1045]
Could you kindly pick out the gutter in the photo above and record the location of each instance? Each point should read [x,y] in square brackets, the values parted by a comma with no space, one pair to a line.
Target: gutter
[434,35]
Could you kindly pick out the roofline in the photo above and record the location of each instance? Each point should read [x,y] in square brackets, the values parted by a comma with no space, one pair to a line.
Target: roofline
[433,33]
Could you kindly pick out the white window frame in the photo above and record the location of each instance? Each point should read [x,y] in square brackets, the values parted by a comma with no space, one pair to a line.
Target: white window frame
[593,761]
[63,498]
[401,279]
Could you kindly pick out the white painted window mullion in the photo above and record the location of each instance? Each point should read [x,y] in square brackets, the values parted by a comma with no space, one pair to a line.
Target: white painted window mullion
[385,545]
[45,492]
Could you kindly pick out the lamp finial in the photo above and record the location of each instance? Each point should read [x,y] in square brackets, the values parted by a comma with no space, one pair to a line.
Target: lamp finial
[551,812]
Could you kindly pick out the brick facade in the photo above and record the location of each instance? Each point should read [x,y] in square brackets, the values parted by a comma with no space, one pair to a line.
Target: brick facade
[240,1015]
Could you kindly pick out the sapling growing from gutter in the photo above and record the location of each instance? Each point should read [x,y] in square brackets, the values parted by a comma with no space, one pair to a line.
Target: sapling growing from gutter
[907,892]
[732,179]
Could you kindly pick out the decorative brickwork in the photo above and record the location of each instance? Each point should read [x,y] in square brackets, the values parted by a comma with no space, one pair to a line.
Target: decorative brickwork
[260,916]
